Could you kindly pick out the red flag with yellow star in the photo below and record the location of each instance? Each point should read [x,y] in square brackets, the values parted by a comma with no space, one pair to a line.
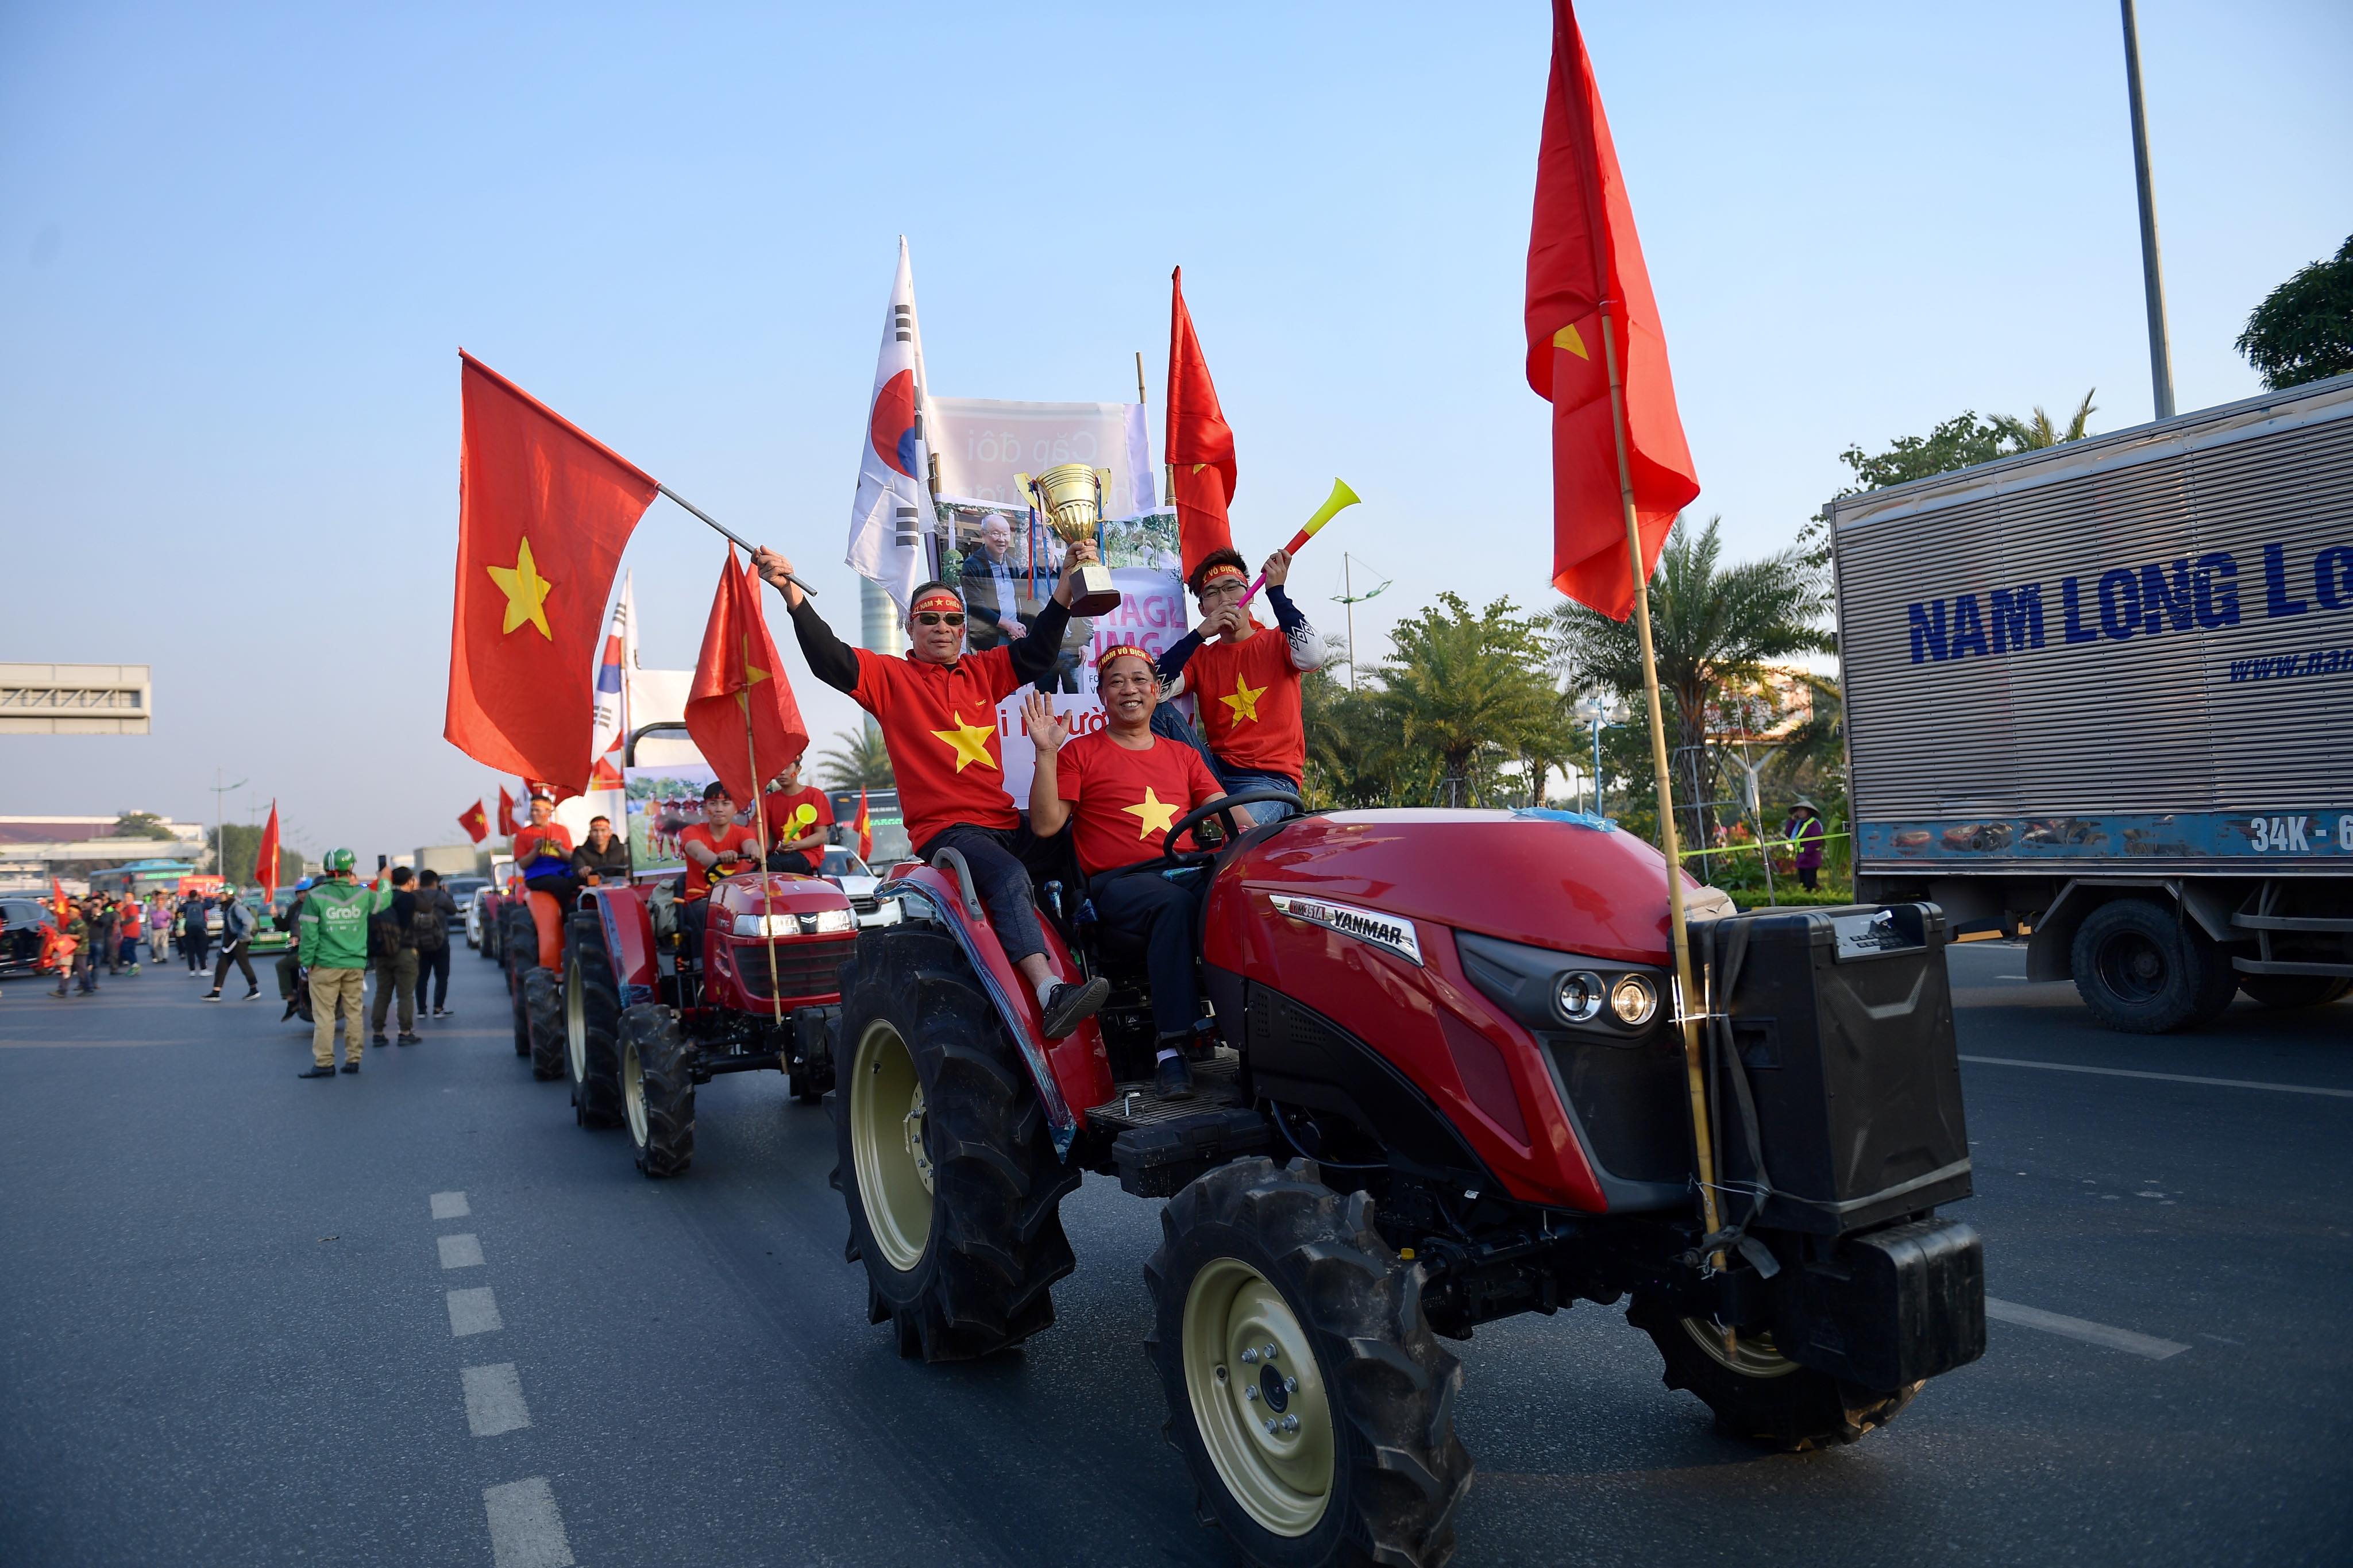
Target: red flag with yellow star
[265,857]
[1583,251]
[476,822]
[1201,444]
[544,512]
[740,688]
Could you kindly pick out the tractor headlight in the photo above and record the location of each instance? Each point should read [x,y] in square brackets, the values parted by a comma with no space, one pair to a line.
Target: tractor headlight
[1577,997]
[768,925]
[833,923]
[1634,999]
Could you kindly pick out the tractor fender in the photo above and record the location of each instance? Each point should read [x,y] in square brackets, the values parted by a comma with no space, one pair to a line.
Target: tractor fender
[628,940]
[1070,1073]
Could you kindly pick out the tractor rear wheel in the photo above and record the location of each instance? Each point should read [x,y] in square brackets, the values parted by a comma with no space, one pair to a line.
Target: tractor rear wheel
[1306,1391]
[592,1022]
[657,1079]
[542,1005]
[1757,1392]
[945,1159]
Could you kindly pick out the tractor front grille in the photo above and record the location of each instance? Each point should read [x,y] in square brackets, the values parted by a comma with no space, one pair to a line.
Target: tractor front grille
[804,968]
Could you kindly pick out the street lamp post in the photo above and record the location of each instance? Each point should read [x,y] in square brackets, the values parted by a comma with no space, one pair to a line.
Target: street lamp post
[2160,355]
[1598,710]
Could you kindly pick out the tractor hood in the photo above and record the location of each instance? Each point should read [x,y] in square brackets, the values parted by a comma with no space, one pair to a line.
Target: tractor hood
[1549,878]
[777,892]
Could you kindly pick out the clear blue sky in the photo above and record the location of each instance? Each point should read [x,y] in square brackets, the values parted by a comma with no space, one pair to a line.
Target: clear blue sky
[241,246]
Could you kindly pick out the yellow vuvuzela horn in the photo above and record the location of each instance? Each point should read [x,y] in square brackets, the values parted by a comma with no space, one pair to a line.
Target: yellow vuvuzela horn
[1341,498]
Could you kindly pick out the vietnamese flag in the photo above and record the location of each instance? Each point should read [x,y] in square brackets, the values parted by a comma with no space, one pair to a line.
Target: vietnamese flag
[1584,255]
[740,711]
[57,900]
[1201,444]
[476,822]
[265,860]
[544,512]
[507,826]
[864,823]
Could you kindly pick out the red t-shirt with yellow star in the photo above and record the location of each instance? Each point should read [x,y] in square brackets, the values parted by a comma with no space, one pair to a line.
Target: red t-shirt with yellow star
[939,722]
[1123,802]
[1248,696]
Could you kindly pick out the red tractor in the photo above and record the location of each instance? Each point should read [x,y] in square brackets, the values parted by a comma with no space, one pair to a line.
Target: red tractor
[1452,1090]
[640,1022]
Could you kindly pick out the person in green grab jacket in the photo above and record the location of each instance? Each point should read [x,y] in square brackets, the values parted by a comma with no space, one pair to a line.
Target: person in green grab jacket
[334,931]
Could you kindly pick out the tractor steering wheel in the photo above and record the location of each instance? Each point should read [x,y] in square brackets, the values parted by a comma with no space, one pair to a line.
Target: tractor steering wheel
[1223,806]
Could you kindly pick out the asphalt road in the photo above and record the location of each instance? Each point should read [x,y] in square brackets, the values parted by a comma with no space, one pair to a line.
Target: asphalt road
[227,1329]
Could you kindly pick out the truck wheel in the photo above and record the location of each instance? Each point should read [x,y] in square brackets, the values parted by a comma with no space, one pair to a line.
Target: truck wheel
[1305,1391]
[542,1005]
[2282,991]
[1757,1392]
[592,1019]
[945,1160]
[2143,968]
[657,1090]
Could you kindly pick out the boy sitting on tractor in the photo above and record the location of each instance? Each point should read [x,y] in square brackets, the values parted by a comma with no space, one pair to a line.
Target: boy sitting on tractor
[1125,786]
[937,712]
[717,845]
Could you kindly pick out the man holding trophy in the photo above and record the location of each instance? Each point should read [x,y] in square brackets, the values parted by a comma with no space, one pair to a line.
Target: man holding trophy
[937,711]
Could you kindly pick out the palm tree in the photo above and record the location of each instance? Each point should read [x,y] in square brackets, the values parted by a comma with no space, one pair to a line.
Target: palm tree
[1461,684]
[859,762]
[1713,628]
[2033,435]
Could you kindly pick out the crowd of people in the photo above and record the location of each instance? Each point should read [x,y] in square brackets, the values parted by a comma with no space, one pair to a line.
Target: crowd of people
[104,932]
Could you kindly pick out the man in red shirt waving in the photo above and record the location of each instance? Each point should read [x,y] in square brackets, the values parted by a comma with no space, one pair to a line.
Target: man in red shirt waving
[937,712]
[1127,787]
[1245,685]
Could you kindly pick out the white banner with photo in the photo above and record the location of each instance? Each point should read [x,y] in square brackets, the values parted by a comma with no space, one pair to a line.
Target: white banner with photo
[982,442]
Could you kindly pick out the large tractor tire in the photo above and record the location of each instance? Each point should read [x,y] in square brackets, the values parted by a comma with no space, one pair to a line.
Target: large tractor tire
[2286,991]
[1306,1391]
[657,1091]
[1757,1392]
[542,1005]
[592,1025]
[947,1161]
[517,958]
[2145,969]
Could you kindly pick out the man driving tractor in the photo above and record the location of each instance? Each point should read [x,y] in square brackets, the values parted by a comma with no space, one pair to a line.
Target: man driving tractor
[1125,786]
[937,711]
[718,845]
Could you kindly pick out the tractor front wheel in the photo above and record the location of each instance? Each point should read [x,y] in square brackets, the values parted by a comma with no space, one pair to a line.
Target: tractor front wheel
[1757,1392]
[592,1021]
[657,1090]
[1306,1391]
[947,1161]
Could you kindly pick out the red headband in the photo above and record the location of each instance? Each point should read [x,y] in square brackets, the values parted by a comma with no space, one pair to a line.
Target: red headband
[937,599]
[1121,651]
[1222,569]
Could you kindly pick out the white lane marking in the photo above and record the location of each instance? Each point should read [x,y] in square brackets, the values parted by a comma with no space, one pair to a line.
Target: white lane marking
[463,1250]
[495,1399]
[2082,1329]
[450,1205]
[525,1530]
[474,1311]
[2163,1076]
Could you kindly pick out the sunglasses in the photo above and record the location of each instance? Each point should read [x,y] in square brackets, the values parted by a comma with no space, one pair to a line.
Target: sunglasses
[939,617]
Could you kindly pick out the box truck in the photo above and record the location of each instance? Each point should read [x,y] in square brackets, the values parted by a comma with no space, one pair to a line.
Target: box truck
[2103,691]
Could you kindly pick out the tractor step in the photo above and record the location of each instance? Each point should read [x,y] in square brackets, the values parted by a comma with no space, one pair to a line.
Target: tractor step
[1160,1145]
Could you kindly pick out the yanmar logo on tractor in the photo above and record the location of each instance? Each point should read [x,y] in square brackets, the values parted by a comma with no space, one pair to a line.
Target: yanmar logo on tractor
[1382,931]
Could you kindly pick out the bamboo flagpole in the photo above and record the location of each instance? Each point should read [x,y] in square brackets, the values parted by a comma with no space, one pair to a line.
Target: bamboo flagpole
[768,888]
[1695,1075]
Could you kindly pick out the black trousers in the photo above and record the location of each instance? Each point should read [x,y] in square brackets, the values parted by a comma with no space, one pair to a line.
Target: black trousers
[691,918]
[192,945]
[1161,915]
[290,972]
[563,885]
[433,964]
[1807,877]
[234,953]
[1002,860]
[791,860]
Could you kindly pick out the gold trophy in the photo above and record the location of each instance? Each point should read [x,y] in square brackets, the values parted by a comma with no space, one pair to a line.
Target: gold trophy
[1069,496]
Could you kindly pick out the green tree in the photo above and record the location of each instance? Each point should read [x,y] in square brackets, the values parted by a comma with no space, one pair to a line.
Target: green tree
[244,842]
[860,761]
[1959,443]
[1464,688]
[2033,435]
[2303,329]
[141,825]
[1715,628]
[1353,757]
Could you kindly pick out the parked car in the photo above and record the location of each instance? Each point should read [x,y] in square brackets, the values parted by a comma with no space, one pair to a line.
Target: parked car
[853,875]
[22,921]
